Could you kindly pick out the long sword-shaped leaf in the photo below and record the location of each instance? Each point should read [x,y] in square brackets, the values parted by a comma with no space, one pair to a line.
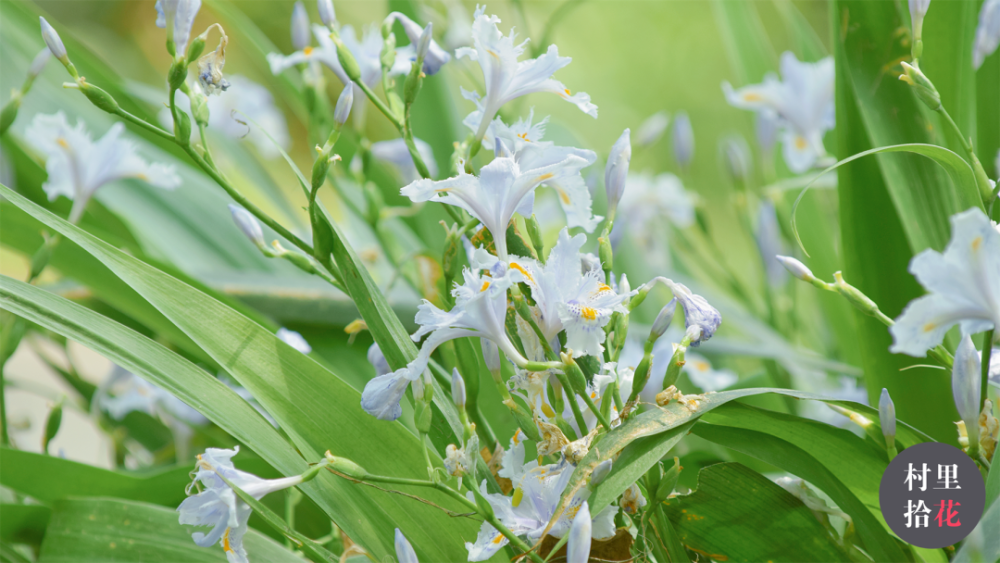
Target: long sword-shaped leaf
[316,408]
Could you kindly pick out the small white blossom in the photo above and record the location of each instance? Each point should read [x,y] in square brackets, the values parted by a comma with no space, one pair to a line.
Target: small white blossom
[616,171]
[887,414]
[53,41]
[326,13]
[294,339]
[300,27]
[125,392]
[435,58]
[396,153]
[77,166]
[918,9]
[218,506]
[523,141]
[480,309]
[507,78]
[38,63]
[701,373]
[649,206]
[578,545]
[462,461]
[987,32]
[177,16]
[802,100]
[501,189]
[964,285]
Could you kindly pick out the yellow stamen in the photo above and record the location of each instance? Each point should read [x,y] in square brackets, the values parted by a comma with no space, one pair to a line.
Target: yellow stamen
[976,243]
[544,177]
[929,327]
[524,272]
[225,541]
[564,197]
[499,539]
[800,143]
[308,51]
[524,136]
[567,92]
[486,284]
[516,499]
[603,287]
[62,143]
[588,313]
[751,97]
[548,410]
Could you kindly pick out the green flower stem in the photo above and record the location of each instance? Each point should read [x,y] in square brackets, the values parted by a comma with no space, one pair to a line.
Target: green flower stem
[145,124]
[987,352]
[982,180]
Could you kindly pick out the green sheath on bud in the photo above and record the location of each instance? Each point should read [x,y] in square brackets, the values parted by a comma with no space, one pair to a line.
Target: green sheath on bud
[861,301]
[346,466]
[196,48]
[52,424]
[674,367]
[921,85]
[667,482]
[99,97]
[182,128]
[535,234]
[525,422]
[177,74]
[575,375]
[347,61]
[605,253]
[9,113]
[322,234]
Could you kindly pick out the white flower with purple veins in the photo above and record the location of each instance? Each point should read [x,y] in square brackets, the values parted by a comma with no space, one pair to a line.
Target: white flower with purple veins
[436,56]
[523,141]
[507,78]
[245,111]
[501,189]
[480,310]
[964,286]
[987,32]
[77,166]
[218,506]
[396,153]
[177,16]
[294,339]
[700,319]
[568,298]
[802,100]
[534,503]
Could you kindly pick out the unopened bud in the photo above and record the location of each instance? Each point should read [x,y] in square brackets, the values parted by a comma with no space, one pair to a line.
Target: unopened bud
[918,9]
[9,113]
[39,62]
[326,13]
[177,74]
[199,107]
[736,155]
[424,44]
[860,301]
[457,389]
[606,253]
[347,61]
[491,355]
[53,41]
[182,128]
[922,85]
[796,268]
[344,103]
[98,97]
[578,545]
[600,472]
[575,375]
[662,322]
[683,140]
[887,416]
[616,171]
[345,466]
[300,27]
[965,386]
[652,129]
[248,225]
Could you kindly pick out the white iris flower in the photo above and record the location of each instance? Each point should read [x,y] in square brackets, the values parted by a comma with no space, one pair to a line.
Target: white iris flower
[480,310]
[524,141]
[964,285]
[501,189]
[507,78]
[218,506]
[77,166]
[177,17]
[803,100]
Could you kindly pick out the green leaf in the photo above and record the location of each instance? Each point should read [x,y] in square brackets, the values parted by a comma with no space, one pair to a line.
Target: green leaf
[42,477]
[750,52]
[958,170]
[23,523]
[316,408]
[836,461]
[116,530]
[737,514]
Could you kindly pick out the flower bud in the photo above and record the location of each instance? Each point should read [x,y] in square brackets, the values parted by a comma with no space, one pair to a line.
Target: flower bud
[98,97]
[600,472]
[54,42]
[652,129]
[683,140]
[344,103]
[457,388]
[887,416]
[345,466]
[326,13]
[378,361]
[616,171]
[662,322]
[38,63]
[796,268]
[404,551]
[965,385]
[491,355]
[248,225]
[347,61]
[736,155]
[52,424]
[577,380]
[922,85]
[199,106]
[606,253]
[918,9]
[854,296]
[578,545]
[300,27]
[424,43]
[182,128]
